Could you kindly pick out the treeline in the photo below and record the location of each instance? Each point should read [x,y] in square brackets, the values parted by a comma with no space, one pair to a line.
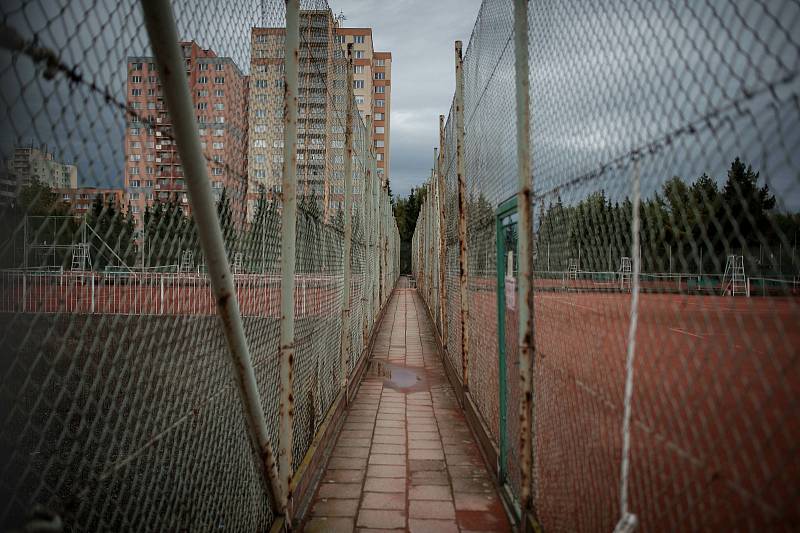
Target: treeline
[406,212]
[685,227]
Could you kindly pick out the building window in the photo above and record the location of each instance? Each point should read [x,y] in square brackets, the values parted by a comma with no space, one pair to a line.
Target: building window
[219,79]
[379,129]
[134,131]
[219,66]
[378,116]
[379,103]
[261,158]
[218,145]
[216,184]
[203,66]
[151,92]
[359,54]
[202,79]
[380,62]
[358,39]
[136,66]
[152,79]
[338,39]
[202,105]
[358,84]
[202,94]
[135,157]
[216,171]
[134,184]
[136,92]
[359,100]
[379,156]
[219,93]
[219,106]
[219,133]
[380,75]
[379,144]
[358,69]
[261,84]
[219,120]
[380,89]
[136,79]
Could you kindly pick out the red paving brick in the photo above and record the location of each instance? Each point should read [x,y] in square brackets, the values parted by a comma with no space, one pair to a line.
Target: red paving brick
[405,447]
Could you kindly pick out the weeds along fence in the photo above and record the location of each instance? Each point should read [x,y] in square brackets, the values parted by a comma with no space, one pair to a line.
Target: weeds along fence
[662,142]
[224,169]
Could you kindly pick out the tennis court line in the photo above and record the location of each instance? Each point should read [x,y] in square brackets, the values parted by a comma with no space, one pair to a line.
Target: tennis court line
[686,332]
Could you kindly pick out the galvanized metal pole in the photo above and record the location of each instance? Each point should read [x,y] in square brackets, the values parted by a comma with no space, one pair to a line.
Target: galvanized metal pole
[161,29]
[526,339]
[462,218]
[288,237]
[442,235]
[346,339]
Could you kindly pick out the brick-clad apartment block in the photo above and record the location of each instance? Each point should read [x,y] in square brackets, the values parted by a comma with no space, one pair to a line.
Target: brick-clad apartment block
[372,86]
[153,171]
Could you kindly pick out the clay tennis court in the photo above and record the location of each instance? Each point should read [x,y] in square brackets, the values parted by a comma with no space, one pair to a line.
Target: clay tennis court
[156,294]
[714,430]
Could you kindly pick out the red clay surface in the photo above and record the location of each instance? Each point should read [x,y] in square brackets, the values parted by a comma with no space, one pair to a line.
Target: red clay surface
[185,295]
[715,431]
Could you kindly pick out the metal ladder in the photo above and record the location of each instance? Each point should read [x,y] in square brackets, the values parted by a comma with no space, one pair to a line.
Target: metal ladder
[187,261]
[572,269]
[81,258]
[734,281]
[625,273]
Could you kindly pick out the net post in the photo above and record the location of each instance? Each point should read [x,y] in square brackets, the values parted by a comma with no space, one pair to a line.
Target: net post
[462,216]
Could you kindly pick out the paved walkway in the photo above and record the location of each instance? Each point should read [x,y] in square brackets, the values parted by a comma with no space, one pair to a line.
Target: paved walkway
[405,458]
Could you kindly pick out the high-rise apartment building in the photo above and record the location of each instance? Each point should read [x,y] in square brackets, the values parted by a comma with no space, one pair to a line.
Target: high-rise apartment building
[153,170]
[372,85]
[320,128]
[29,163]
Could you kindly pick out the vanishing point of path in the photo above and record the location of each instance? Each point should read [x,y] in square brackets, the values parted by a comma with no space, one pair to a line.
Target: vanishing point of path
[405,458]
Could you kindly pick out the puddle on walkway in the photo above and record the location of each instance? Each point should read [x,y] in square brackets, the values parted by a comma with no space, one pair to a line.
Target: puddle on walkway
[399,378]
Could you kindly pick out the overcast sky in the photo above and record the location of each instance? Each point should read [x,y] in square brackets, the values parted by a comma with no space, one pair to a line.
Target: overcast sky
[420,34]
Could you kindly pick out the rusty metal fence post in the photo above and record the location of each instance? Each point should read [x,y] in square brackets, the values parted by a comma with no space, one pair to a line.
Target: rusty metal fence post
[161,28]
[288,242]
[348,224]
[442,235]
[462,217]
[525,246]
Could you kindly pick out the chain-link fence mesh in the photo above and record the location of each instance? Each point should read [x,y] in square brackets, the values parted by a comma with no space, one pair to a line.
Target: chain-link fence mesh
[118,407]
[697,103]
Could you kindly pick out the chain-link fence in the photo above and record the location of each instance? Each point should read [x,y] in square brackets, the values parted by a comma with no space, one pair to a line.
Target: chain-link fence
[664,374]
[118,410]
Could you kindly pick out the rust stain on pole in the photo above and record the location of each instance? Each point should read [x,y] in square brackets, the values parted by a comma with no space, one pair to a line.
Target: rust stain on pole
[462,218]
